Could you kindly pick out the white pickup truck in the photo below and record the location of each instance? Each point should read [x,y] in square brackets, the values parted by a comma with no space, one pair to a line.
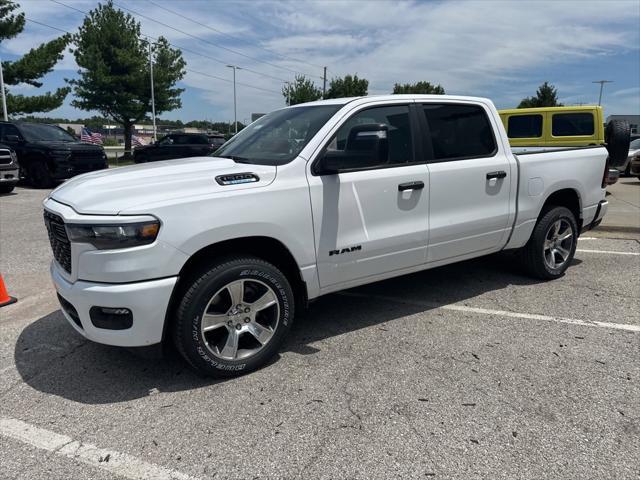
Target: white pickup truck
[218,253]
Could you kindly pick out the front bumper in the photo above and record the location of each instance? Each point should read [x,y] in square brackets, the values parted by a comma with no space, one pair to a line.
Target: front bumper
[9,175]
[148,302]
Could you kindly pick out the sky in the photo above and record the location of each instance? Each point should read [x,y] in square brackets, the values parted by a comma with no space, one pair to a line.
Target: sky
[502,50]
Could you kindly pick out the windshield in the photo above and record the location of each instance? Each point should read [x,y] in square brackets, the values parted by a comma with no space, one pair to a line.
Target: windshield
[635,145]
[278,137]
[39,131]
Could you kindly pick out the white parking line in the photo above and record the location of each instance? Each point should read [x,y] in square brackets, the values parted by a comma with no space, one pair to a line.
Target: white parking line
[607,252]
[501,313]
[115,462]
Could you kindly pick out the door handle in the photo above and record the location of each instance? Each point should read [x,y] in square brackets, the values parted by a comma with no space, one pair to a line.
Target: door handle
[499,174]
[411,186]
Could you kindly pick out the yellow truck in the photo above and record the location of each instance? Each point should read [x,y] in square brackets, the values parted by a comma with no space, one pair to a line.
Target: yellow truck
[545,128]
[554,126]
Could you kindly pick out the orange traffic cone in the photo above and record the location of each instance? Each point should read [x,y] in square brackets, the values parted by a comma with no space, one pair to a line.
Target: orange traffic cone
[5,299]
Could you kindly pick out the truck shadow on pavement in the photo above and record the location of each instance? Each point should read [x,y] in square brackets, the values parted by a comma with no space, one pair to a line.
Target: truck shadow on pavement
[52,358]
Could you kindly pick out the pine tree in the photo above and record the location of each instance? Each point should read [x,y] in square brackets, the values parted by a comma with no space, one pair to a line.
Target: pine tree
[31,67]
[546,96]
[114,78]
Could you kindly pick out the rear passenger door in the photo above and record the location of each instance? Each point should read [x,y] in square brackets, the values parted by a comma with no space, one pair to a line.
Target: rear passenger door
[470,180]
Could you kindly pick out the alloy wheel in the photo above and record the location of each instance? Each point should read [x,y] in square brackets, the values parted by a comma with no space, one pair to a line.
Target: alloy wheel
[240,319]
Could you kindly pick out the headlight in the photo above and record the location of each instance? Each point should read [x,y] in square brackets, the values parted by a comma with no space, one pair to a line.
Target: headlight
[107,237]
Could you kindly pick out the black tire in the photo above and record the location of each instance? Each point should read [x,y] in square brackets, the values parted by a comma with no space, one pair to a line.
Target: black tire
[188,336]
[7,188]
[533,253]
[617,135]
[141,158]
[39,175]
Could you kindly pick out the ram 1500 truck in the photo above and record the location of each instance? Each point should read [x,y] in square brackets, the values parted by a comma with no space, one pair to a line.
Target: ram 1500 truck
[217,253]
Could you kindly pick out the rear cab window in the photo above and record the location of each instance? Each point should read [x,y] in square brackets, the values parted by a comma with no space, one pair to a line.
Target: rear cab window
[458,132]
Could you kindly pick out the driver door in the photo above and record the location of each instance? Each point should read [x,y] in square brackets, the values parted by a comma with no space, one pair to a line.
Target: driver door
[371,220]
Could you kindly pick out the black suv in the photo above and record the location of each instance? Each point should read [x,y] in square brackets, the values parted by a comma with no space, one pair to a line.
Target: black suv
[175,145]
[47,152]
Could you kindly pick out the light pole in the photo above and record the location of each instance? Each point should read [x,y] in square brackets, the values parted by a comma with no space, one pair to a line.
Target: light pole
[601,82]
[288,87]
[4,98]
[235,110]
[153,98]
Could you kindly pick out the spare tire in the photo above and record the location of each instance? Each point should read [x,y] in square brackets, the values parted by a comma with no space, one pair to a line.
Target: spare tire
[617,135]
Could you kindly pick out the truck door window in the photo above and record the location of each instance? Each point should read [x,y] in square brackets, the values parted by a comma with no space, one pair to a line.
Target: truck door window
[525,126]
[396,117]
[459,131]
[9,129]
[572,124]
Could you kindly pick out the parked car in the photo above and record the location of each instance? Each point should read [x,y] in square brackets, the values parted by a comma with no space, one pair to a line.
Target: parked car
[47,153]
[8,169]
[634,158]
[634,153]
[217,254]
[175,145]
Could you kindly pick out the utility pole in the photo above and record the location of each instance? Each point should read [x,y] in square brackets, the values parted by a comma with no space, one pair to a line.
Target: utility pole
[153,98]
[235,110]
[324,82]
[601,82]
[4,98]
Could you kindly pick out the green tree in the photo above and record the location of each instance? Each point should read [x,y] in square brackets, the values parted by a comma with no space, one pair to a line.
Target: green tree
[418,87]
[348,86]
[300,91]
[546,96]
[114,74]
[36,63]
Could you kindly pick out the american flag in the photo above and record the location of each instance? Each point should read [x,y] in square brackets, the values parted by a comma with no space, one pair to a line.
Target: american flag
[88,137]
[137,141]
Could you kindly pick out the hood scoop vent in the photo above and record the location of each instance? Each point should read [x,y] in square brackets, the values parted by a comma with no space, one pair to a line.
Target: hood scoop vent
[237,178]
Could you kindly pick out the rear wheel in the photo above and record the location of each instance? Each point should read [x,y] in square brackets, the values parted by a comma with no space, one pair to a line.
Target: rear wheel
[552,245]
[6,188]
[233,318]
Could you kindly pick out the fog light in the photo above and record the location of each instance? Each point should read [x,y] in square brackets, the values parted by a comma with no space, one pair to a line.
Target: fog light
[111,318]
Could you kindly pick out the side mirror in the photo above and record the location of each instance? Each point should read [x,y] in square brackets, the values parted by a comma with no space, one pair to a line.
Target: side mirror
[367,145]
[12,138]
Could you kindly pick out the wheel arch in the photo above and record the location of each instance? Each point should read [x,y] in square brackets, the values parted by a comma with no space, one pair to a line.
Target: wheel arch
[263,247]
[564,197]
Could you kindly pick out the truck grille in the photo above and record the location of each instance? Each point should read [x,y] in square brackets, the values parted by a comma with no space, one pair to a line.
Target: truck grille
[5,156]
[59,240]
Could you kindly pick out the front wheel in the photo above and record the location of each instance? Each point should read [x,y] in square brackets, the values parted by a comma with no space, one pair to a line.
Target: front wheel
[233,318]
[6,188]
[552,245]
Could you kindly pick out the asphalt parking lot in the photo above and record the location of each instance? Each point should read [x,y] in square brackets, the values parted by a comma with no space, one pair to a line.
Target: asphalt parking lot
[466,371]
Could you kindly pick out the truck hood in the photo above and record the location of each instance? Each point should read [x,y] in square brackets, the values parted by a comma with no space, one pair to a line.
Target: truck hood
[71,146]
[109,192]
